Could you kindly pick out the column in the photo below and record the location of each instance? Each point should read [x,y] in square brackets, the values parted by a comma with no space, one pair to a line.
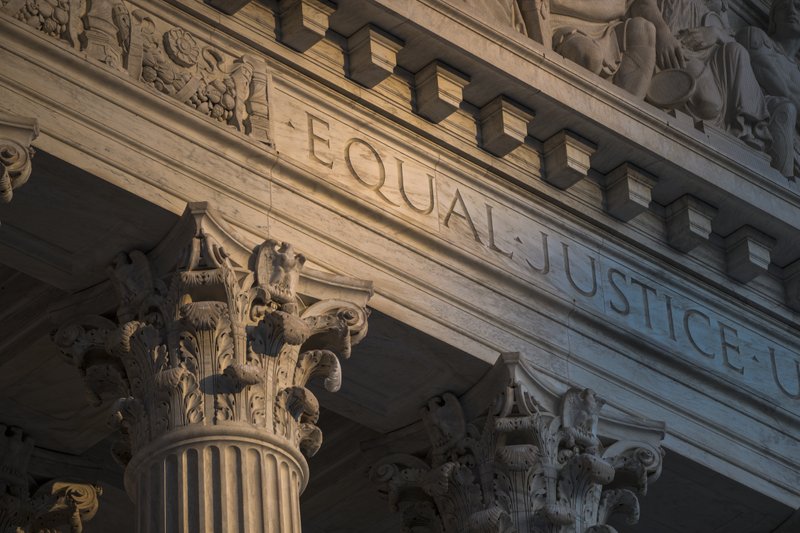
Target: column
[207,363]
[513,455]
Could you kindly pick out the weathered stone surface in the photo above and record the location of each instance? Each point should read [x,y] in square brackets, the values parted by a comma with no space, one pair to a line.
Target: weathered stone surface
[16,136]
[748,253]
[689,222]
[566,159]
[304,22]
[628,191]
[208,363]
[503,125]
[372,54]
[439,91]
[533,461]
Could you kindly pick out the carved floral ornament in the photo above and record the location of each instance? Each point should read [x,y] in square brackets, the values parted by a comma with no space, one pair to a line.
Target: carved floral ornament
[208,337]
[232,90]
[534,462]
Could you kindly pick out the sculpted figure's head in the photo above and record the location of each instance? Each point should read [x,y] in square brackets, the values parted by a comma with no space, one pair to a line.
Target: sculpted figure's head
[784,19]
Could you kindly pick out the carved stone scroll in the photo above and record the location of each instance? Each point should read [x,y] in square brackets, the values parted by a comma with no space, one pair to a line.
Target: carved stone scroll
[533,461]
[16,136]
[55,506]
[207,365]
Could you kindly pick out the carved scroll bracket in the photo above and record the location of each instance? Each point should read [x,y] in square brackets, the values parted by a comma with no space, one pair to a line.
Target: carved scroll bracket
[514,454]
[53,506]
[16,136]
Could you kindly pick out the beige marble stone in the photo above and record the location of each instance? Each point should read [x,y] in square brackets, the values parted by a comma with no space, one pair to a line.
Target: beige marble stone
[439,91]
[628,192]
[372,55]
[503,125]
[567,159]
[471,253]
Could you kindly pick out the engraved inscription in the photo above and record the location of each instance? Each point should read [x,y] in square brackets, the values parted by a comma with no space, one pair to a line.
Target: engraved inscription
[411,183]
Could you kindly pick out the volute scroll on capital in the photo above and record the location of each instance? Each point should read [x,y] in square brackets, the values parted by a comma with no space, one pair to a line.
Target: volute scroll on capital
[16,136]
[534,460]
[29,507]
[212,332]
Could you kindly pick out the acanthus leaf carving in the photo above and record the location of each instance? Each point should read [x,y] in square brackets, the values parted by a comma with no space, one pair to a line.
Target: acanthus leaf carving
[212,338]
[227,88]
[520,466]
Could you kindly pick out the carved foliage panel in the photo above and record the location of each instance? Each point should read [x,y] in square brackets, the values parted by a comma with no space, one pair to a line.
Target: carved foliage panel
[231,89]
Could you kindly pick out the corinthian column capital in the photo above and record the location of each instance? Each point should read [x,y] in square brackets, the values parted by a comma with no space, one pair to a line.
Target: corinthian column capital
[55,506]
[512,455]
[208,363]
[16,136]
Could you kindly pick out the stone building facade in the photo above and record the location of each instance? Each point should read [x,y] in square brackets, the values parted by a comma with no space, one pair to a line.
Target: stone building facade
[399,265]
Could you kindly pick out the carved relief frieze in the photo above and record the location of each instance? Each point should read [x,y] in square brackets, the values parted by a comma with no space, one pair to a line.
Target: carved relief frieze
[213,339]
[520,466]
[229,88]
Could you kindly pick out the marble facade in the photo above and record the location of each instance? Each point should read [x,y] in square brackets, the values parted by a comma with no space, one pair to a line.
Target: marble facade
[399,265]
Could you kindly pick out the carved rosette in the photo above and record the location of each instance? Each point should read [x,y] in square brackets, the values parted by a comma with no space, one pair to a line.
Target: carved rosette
[214,346]
[518,468]
[16,136]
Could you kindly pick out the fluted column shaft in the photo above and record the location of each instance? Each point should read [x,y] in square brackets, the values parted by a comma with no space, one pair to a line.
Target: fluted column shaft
[233,480]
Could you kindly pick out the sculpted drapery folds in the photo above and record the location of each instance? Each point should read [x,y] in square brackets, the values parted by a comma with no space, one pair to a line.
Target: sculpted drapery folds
[205,339]
[773,55]
[725,91]
[615,39]
[521,466]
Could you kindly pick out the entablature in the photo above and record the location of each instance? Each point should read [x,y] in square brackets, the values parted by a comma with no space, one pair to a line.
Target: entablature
[490,219]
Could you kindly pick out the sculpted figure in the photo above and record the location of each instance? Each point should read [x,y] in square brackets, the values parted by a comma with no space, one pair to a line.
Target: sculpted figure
[615,39]
[774,59]
[726,92]
[498,12]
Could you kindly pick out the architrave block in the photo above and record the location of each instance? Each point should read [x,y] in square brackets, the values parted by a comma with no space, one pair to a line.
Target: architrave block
[566,159]
[628,191]
[748,253]
[439,91]
[689,222]
[503,125]
[372,54]
[303,23]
